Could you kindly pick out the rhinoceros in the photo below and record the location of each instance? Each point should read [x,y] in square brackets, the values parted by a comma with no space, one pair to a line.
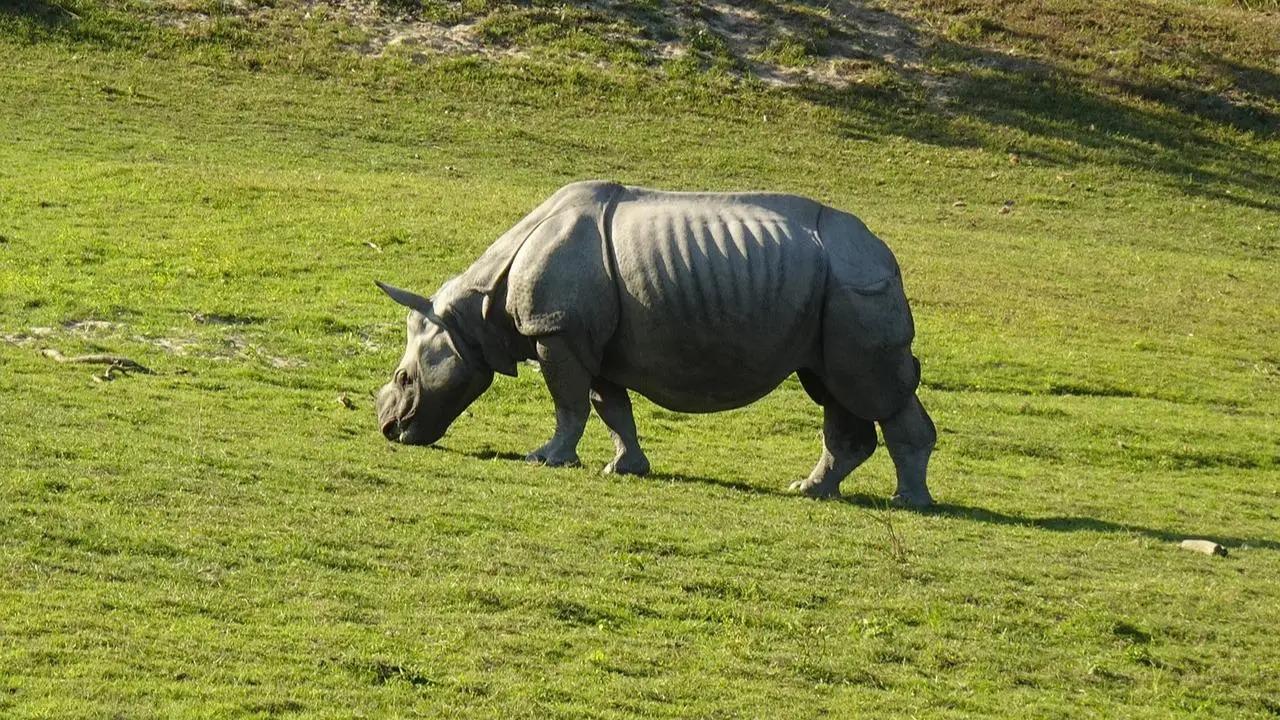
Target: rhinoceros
[698,301]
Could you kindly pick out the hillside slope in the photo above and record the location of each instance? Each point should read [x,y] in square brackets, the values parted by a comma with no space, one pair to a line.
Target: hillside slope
[1085,205]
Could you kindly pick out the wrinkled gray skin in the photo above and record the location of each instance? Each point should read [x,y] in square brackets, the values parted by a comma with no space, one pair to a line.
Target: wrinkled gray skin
[698,301]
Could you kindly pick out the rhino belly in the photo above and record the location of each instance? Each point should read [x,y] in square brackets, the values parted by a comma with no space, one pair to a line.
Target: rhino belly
[714,311]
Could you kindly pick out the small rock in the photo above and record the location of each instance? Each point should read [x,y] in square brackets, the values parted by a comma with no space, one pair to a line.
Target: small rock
[1208,547]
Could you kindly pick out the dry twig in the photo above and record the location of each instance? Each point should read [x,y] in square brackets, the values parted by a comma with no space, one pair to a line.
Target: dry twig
[116,363]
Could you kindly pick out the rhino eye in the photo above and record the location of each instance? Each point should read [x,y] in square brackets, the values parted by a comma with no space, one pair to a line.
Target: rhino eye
[402,377]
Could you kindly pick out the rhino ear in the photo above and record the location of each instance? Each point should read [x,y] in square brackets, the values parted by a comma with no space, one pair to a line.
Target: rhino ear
[413,301]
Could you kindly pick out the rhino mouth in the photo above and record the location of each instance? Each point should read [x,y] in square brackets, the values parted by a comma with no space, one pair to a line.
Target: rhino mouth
[407,432]
[391,429]
[397,412]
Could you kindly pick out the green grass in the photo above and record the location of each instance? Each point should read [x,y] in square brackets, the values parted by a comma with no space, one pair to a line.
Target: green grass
[226,539]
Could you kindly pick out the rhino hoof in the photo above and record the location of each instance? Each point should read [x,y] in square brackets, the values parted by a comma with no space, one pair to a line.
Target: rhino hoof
[627,466]
[815,490]
[552,461]
[914,500]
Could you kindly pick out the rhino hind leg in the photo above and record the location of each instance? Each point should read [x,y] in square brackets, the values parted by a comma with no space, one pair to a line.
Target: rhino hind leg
[569,383]
[613,405]
[847,442]
[872,385]
[910,437]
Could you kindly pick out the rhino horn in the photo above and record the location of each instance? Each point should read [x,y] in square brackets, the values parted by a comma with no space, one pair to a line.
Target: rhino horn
[411,300]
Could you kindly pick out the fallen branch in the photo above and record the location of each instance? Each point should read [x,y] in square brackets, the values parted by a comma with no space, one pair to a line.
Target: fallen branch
[116,362]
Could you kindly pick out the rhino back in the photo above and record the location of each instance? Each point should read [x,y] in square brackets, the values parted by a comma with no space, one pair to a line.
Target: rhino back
[719,294]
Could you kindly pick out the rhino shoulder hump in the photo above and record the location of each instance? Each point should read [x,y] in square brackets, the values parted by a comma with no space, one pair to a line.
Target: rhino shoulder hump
[585,192]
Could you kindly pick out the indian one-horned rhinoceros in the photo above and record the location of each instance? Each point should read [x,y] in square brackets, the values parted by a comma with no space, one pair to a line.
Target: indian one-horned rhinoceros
[698,301]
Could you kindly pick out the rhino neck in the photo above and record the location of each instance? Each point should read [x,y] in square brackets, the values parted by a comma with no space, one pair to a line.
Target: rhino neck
[480,321]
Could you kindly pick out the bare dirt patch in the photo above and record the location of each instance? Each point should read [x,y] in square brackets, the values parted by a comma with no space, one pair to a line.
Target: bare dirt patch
[843,42]
[839,44]
[229,347]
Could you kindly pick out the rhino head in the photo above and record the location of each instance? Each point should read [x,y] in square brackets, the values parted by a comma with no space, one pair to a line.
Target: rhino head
[437,378]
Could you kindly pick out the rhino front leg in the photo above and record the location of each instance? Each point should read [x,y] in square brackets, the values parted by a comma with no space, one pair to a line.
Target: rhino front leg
[910,436]
[847,442]
[569,383]
[613,405]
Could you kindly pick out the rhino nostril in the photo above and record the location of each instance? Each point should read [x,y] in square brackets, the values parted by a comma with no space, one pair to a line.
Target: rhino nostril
[389,429]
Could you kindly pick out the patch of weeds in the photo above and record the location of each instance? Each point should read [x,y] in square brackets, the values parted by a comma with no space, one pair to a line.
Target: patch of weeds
[153,547]
[472,688]
[973,28]
[707,48]
[893,539]
[706,40]
[789,50]
[1128,632]
[624,664]
[415,8]
[1034,410]
[383,672]
[656,548]
[363,477]
[576,613]
[874,627]
[721,590]
[230,318]
[812,601]
[566,28]
[331,325]
[486,599]
[274,707]
[825,675]
[1068,387]
[1141,655]
[340,561]
[1209,459]
[87,541]
[1105,674]
[55,486]
[1048,201]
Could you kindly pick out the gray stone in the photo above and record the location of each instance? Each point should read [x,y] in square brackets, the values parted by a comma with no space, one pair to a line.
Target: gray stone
[1208,547]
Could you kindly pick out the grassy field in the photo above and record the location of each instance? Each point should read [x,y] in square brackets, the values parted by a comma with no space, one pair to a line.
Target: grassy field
[212,191]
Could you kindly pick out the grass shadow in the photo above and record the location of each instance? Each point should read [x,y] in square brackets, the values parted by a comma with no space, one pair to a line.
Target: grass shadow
[486,453]
[951,510]
[735,485]
[1065,523]
[1060,116]
[50,16]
